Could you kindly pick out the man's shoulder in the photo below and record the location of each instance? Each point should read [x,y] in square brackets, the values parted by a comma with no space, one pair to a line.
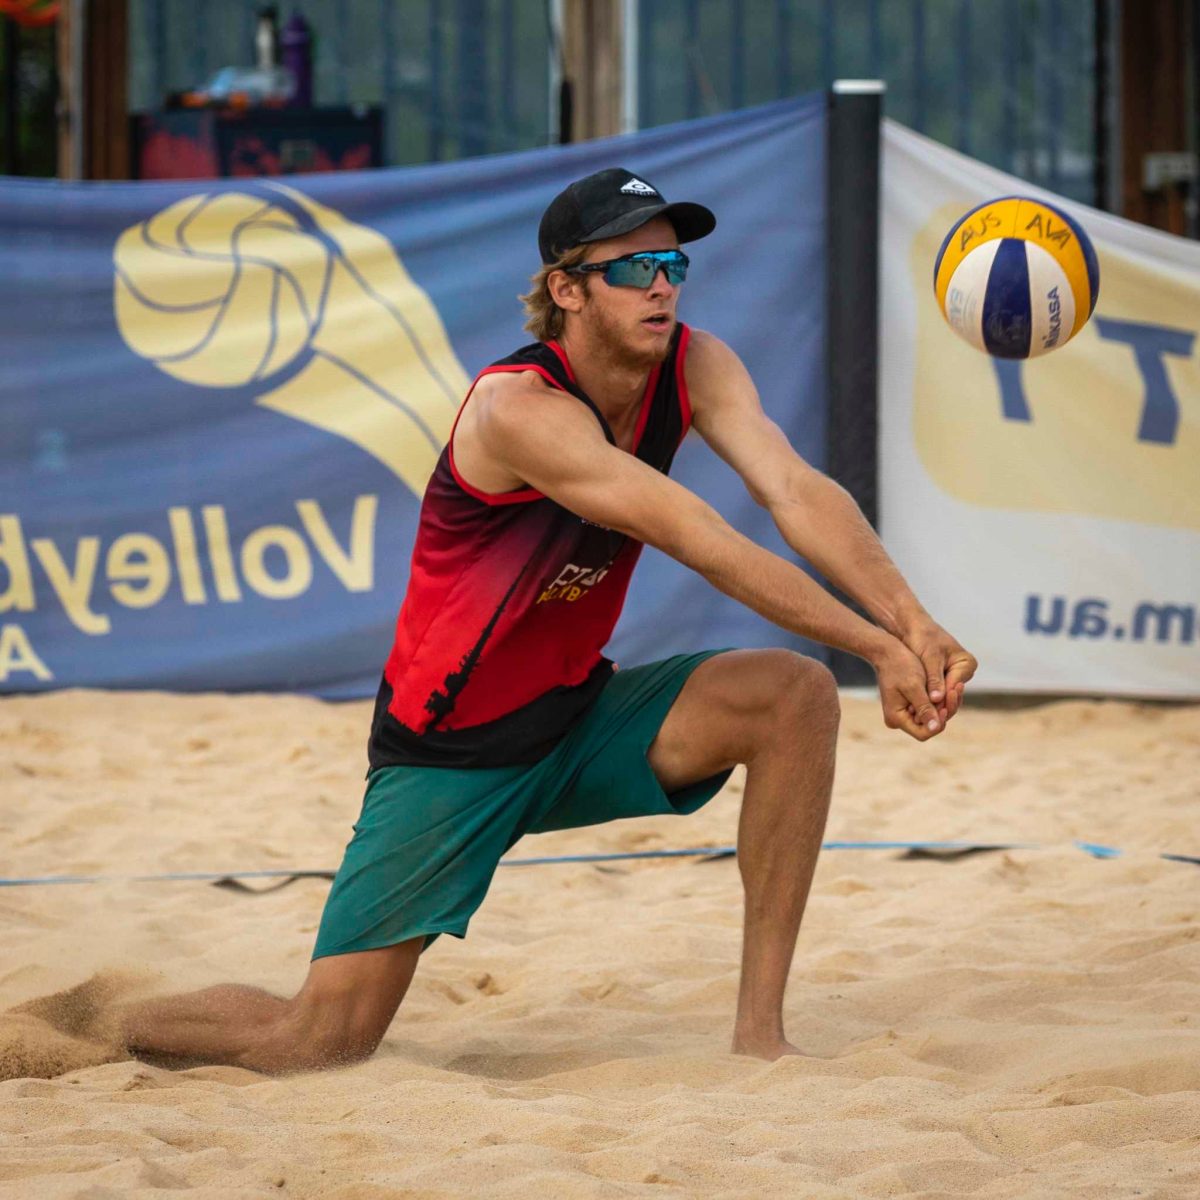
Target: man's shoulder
[700,341]
[709,365]
[707,352]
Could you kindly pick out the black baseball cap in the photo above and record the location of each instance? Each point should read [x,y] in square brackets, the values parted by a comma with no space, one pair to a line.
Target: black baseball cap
[609,203]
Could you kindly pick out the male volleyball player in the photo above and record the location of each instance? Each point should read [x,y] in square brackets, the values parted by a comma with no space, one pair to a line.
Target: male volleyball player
[498,714]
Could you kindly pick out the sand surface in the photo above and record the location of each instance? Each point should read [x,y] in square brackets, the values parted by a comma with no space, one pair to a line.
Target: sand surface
[1014,1024]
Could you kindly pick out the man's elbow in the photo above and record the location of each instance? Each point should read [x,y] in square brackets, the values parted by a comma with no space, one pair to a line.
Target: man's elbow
[792,483]
[803,493]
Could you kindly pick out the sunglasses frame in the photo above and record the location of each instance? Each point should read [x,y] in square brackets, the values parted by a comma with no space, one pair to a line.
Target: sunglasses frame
[664,259]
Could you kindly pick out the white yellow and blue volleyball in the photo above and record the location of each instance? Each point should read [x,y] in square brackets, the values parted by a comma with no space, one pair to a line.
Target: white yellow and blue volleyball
[1016,277]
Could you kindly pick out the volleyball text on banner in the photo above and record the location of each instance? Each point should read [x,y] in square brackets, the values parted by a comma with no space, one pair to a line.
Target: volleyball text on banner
[1045,510]
[220,401]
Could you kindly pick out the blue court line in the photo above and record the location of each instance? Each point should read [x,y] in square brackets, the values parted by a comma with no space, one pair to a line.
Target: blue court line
[1098,851]
[190,876]
[1095,849]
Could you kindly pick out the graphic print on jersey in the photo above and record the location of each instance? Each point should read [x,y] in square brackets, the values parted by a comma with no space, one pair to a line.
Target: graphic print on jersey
[574,581]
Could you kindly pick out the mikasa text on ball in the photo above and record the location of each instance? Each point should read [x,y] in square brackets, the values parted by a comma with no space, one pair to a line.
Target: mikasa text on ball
[1016,277]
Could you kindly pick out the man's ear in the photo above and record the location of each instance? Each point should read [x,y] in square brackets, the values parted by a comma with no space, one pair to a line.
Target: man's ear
[569,292]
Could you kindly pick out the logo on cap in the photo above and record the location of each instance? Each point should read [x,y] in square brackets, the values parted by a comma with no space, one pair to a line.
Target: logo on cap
[635,187]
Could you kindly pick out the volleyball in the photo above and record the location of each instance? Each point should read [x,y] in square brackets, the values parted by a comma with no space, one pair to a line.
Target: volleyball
[1016,277]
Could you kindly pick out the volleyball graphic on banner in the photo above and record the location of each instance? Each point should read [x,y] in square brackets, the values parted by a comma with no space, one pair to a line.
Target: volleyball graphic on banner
[220,290]
[227,289]
[1016,277]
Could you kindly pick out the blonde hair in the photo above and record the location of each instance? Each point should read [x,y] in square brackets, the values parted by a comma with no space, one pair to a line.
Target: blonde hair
[544,317]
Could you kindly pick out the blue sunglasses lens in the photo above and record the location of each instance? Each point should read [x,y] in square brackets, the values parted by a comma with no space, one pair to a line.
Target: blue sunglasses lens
[639,270]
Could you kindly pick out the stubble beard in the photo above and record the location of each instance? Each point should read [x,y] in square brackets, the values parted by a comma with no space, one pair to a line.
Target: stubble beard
[616,345]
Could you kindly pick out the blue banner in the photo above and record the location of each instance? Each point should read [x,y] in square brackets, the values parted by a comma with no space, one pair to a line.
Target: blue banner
[220,400]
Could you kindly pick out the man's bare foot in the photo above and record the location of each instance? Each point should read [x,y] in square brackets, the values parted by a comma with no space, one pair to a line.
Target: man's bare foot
[769,1048]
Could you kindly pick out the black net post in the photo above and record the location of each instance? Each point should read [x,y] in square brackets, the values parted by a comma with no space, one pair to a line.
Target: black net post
[852,313]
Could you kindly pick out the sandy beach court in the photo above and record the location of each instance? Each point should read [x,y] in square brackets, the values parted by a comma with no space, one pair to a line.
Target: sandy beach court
[1013,1024]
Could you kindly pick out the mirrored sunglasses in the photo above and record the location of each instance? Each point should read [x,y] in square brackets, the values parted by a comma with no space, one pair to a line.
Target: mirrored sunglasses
[639,270]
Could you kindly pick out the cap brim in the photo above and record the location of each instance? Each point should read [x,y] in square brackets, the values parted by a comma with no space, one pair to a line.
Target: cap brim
[691,221]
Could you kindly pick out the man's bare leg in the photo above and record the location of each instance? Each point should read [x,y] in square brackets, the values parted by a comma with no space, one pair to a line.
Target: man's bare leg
[778,713]
[338,1017]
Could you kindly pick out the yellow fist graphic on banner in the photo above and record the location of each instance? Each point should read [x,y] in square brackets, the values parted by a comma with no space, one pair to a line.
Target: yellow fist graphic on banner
[1109,426]
[227,289]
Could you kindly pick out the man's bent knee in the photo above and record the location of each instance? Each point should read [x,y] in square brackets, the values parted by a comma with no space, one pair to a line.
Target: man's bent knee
[801,682]
[341,1013]
[738,704]
[817,686]
[341,1046]
[302,1039]
[806,697]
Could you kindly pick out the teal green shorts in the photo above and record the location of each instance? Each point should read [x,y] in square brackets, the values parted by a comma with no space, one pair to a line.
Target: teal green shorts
[428,839]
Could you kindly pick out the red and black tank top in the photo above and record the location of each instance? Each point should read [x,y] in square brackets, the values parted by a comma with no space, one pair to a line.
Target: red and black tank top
[511,599]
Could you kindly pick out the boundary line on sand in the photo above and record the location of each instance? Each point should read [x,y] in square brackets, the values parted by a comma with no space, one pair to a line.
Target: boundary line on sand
[944,851]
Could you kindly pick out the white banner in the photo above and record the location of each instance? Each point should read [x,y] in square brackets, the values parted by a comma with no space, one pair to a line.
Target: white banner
[1046,512]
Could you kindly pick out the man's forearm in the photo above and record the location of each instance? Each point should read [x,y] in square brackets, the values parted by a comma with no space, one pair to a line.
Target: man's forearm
[826,527]
[779,591]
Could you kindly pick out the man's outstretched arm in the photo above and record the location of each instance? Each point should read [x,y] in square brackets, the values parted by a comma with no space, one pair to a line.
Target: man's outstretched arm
[816,517]
[554,444]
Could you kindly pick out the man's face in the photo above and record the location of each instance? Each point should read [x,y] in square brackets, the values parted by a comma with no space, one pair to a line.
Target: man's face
[636,323]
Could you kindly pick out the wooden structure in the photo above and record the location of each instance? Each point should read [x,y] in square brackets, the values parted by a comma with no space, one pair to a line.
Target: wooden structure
[592,65]
[93,67]
[1156,48]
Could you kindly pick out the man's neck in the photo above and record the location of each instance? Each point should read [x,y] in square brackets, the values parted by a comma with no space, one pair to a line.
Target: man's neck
[614,385]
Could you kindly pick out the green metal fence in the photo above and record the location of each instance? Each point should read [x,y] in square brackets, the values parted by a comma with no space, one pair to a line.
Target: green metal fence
[1010,82]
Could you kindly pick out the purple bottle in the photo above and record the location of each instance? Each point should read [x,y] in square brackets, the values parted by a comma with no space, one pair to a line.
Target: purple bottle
[296,56]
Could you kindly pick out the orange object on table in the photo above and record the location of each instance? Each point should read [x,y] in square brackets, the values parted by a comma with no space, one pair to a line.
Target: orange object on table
[31,12]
